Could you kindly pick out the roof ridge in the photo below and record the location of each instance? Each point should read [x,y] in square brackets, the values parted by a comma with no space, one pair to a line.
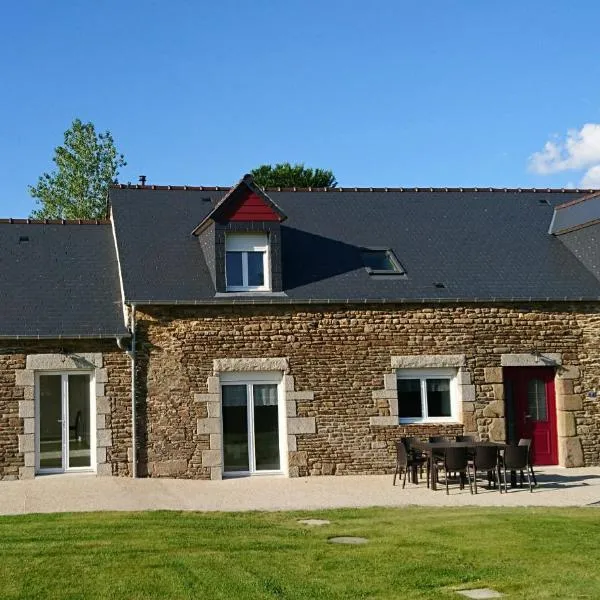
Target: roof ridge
[55,221]
[220,188]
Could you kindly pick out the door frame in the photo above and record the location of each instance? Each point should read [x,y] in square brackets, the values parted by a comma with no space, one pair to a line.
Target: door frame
[249,378]
[528,372]
[65,422]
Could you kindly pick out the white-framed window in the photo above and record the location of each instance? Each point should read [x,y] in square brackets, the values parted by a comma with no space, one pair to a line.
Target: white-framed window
[427,395]
[65,425]
[247,262]
[253,420]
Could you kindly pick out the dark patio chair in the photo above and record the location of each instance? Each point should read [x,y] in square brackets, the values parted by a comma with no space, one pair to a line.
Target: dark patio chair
[403,462]
[527,442]
[435,439]
[419,460]
[438,455]
[470,439]
[455,460]
[516,458]
[485,460]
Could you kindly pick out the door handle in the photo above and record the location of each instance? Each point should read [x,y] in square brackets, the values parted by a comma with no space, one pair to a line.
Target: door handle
[59,420]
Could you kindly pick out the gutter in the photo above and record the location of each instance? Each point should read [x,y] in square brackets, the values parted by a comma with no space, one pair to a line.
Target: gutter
[232,301]
[52,336]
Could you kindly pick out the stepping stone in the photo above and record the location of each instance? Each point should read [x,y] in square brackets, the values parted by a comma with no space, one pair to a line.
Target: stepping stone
[348,540]
[480,593]
[314,522]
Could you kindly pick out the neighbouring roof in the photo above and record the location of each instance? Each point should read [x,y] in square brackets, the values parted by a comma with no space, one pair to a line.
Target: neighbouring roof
[59,279]
[582,212]
[454,244]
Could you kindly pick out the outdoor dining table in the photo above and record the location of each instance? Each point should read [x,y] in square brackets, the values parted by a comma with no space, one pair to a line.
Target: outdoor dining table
[430,449]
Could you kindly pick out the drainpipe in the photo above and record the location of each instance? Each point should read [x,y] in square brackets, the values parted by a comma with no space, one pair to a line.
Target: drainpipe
[131,353]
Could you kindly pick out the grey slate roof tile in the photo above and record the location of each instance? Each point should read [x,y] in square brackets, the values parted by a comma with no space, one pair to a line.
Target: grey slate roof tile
[63,282]
[482,245]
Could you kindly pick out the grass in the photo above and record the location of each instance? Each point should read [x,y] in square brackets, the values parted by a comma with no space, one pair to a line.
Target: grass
[412,553]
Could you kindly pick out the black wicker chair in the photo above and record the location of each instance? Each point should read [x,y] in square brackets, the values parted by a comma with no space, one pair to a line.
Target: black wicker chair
[516,458]
[435,439]
[403,462]
[455,460]
[486,460]
[418,458]
[438,455]
[527,442]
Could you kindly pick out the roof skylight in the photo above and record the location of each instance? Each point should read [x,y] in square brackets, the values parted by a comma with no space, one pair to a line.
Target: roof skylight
[381,261]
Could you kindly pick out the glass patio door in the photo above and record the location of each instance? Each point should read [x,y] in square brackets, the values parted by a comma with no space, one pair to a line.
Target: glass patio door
[64,422]
[250,428]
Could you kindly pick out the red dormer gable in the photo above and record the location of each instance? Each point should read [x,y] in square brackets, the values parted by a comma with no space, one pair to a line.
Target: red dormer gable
[245,202]
[250,207]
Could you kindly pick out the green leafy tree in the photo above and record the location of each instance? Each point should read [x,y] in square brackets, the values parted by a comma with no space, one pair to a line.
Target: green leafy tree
[288,175]
[86,164]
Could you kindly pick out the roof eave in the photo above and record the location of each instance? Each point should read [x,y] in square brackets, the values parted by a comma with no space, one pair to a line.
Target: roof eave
[74,336]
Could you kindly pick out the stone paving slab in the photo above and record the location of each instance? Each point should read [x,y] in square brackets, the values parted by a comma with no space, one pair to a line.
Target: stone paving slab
[86,492]
[350,540]
[480,593]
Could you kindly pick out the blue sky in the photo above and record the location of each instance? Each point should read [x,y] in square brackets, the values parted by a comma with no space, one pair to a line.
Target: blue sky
[385,93]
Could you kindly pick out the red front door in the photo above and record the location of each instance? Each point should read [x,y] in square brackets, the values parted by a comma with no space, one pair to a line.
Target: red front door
[531,410]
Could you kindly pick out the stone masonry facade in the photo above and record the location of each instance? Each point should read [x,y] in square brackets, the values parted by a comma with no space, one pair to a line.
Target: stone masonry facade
[338,366]
[341,362]
[21,360]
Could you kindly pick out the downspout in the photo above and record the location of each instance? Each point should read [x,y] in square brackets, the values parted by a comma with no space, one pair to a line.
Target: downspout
[131,353]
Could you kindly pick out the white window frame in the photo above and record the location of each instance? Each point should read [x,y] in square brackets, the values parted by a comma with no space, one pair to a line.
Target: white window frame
[64,375]
[248,379]
[244,243]
[423,375]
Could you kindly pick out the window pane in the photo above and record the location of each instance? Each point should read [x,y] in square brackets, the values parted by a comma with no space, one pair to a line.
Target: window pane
[266,427]
[256,275]
[438,398]
[51,422]
[378,260]
[536,400]
[235,428]
[79,421]
[409,399]
[233,269]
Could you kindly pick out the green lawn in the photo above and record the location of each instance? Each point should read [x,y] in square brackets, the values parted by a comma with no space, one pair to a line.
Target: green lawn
[412,553]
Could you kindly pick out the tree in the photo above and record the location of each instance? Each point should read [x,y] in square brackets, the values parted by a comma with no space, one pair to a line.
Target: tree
[86,164]
[287,175]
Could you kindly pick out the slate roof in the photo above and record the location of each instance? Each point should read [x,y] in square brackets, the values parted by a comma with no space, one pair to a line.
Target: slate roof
[482,245]
[62,282]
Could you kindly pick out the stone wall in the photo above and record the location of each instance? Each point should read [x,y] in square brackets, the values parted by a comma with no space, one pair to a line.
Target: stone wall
[339,377]
[112,370]
[342,355]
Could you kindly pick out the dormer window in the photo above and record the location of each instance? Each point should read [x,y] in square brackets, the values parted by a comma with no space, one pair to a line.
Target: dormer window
[241,241]
[247,262]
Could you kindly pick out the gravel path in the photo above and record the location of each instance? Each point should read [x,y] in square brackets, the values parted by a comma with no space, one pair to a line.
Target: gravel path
[80,492]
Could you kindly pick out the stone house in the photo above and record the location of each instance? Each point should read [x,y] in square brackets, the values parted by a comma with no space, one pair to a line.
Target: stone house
[207,332]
